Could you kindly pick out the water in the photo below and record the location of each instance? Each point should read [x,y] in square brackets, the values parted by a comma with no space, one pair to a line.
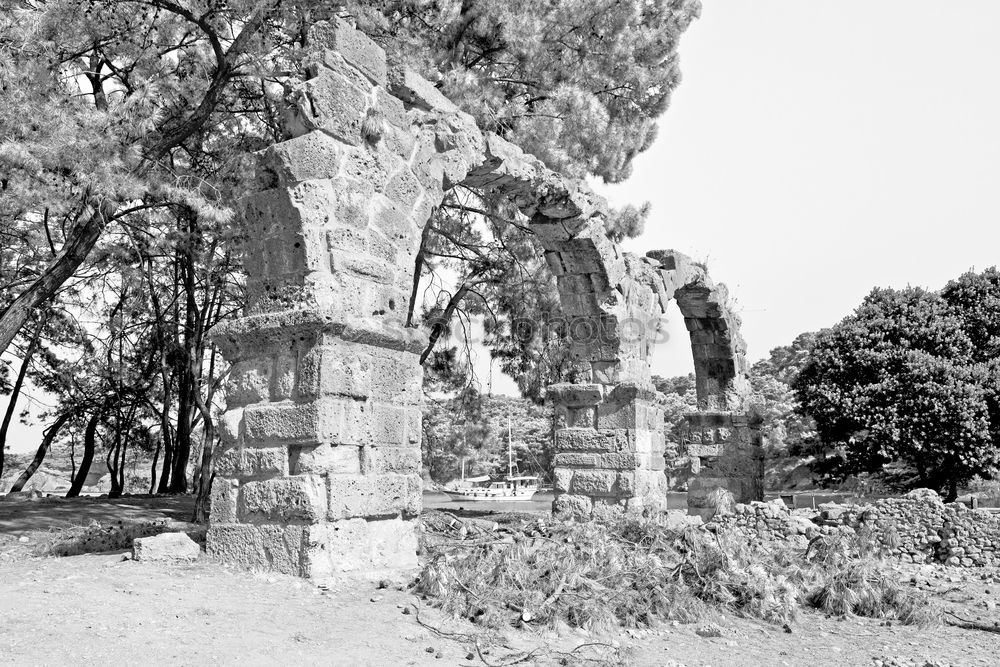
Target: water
[540,503]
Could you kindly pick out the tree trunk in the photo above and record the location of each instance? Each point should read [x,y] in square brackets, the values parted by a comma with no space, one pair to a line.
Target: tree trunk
[89,446]
[152,469]
[16,391]
[203,502]
[952,491]
[182,443]
[113,459]
[43,449]
[441,325]
[80,240]
[168,447]
[418,269]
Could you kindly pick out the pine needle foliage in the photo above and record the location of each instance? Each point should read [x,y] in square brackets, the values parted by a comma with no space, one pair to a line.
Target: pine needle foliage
[639,573]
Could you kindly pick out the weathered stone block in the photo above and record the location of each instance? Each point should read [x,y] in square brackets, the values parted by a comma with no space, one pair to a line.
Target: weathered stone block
[703,450]
[397,378]
[401,460]
[656,462]
[264,547]
[367,268]
[574,460]
[585,417]
[620,461]
[399,141]
[357,296]
[591,440]
[283,378]
[324,459]
[393,221]
[570,506]
[353,45]
[576,395]
[231,427]
[300,499]
[165,547]
[593,482]
[249,382]
[339,369]
[385,424]
[310,156]
[266,214]
[244,462]
[563,479]
[403,189]
[358,547]
[556,266]
[223,500]
[392,108]
[373,495]
[613,509]
[370,166]
[625,484]
[293,423]
[347,239]
[335,106]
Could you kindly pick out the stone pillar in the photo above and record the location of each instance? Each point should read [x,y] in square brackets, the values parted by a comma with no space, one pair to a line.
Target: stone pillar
[609,450]
[726,454]
[319,471]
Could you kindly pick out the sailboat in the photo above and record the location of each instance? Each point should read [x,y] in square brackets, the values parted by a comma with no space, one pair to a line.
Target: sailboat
[513,487]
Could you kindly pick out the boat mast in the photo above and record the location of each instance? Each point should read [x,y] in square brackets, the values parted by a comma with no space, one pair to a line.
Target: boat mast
[510,450]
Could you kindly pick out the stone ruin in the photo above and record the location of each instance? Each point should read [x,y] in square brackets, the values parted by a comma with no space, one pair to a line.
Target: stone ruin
[319,472]
[917,528]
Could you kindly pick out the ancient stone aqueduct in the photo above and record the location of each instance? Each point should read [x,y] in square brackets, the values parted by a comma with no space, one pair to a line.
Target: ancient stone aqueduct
[319,474]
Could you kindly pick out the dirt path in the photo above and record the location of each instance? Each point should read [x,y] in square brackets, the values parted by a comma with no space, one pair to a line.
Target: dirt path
[97,609]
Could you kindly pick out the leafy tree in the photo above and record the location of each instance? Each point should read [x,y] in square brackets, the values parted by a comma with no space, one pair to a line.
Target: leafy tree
[975,297]
[140,88]
[679,399]
[578,83]
[786,429]
[473,427]
[898,382]
[124,137]
[103,102]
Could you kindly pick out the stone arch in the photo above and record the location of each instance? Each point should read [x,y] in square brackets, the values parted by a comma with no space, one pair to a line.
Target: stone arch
[319,470]
[722,437]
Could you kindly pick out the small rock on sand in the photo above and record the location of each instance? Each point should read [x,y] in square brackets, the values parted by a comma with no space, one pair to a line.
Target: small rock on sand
[165,547]
[708,630]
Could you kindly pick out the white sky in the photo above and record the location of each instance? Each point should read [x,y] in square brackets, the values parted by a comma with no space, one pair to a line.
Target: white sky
[817,149]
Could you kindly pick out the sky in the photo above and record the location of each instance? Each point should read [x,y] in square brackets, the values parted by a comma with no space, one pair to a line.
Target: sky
[815,150]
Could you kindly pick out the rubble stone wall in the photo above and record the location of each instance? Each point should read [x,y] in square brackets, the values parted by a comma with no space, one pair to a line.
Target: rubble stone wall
[318,474]
[918,528]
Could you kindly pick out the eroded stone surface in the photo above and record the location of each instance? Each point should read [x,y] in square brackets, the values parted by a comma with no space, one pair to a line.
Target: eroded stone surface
[165,547]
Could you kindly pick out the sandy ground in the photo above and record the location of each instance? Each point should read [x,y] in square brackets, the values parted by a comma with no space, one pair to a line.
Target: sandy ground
[96,609]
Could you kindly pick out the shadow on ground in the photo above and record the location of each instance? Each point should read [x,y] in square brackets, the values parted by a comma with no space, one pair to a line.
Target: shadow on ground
[25,516]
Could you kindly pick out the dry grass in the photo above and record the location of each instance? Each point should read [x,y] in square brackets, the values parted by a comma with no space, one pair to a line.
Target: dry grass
[847,576]
[640,573]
